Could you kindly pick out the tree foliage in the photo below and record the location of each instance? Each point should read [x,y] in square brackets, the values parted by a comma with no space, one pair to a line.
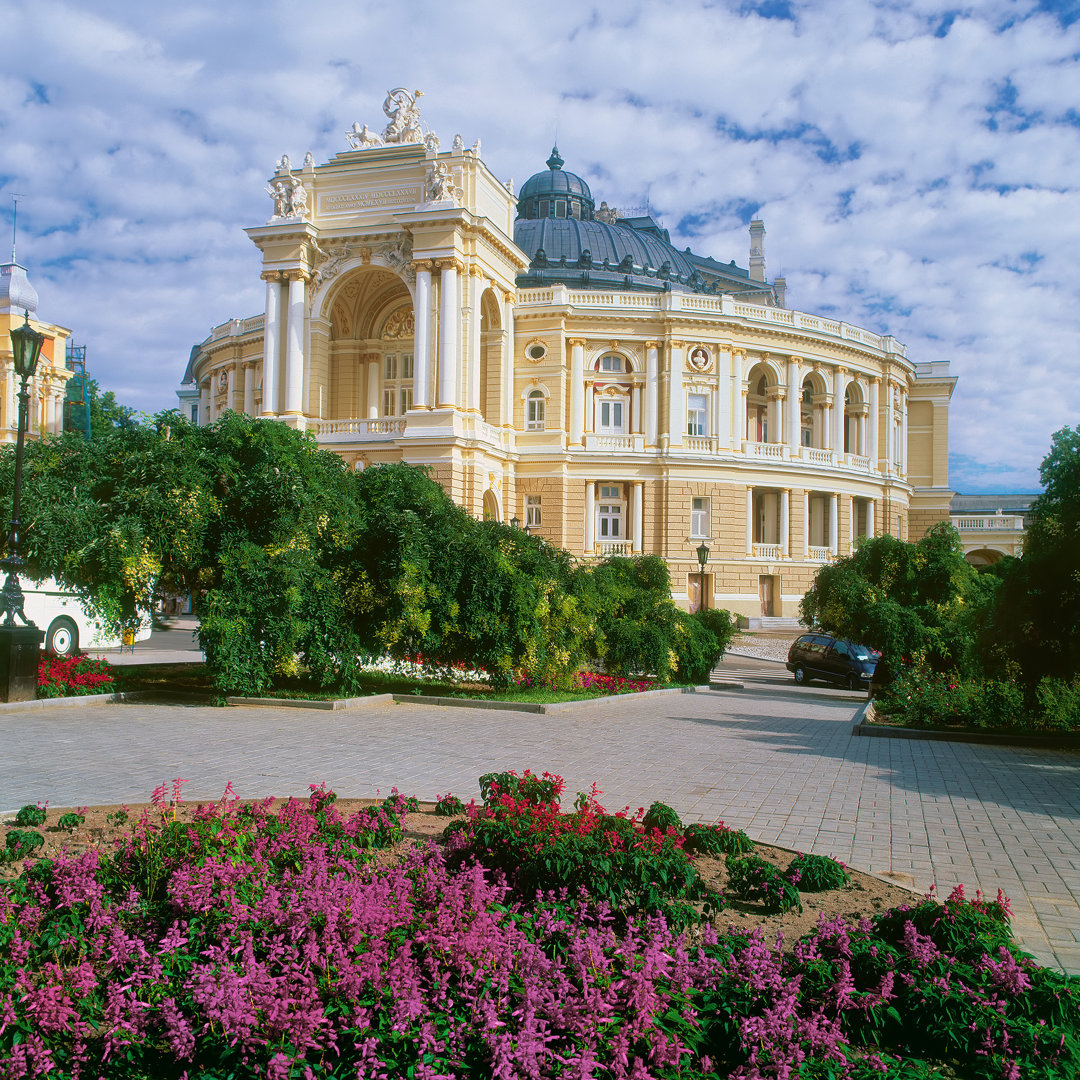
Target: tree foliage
[919,601]
[1037,620]
[291,558]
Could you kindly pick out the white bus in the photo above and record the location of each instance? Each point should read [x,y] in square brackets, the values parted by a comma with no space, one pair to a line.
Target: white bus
[69,627]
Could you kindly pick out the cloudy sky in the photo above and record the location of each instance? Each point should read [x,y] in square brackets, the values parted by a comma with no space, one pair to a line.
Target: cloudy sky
[916,162]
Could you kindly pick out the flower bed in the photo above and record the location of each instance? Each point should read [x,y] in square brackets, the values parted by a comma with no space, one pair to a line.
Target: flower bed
[245,943]
[74,676]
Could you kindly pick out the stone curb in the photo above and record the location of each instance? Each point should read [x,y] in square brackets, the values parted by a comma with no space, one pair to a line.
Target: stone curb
[82,699]
[535,707]
[1065,741]
[302,703]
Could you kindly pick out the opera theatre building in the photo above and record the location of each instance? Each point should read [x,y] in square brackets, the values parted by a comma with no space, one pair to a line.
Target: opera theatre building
[549,359]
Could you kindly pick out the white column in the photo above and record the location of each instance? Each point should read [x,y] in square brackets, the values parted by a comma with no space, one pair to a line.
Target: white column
[834,532]
[230,394]
[473,360]
[785,522]
[507,378]
[590,517]
[869,517]
[50,409]
[749,521]
[204,404]
[794,405]
[738,400]
[635,409]
[249,388]
[806,525]
[294,348]
[637,525]
[676,398]
[838,411]
[577,395]
[652,392]
[271,348]
[374,366]
[421,341]
[448,335]
[903,433]
[872,448]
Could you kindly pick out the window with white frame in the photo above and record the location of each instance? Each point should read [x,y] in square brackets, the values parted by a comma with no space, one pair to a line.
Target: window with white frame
[397,393]
[533,513]
[697,414]
[535,410]
[699,518]
[612,362]
[611,416]
[610,512]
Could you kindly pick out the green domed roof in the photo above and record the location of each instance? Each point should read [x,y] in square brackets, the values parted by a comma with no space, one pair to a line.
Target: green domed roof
[556,183]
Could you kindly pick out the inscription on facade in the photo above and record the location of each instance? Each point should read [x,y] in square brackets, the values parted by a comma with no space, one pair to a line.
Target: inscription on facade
[349,202]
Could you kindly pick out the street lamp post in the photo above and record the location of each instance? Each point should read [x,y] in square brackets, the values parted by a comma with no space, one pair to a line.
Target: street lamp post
[703,558]
[19,645]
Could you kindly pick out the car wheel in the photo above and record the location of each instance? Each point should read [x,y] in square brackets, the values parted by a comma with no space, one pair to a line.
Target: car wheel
[800,675]
[62,638]
[852,683]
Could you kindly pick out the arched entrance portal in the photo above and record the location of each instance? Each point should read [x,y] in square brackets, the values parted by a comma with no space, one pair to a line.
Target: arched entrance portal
[492,511]
[370,354]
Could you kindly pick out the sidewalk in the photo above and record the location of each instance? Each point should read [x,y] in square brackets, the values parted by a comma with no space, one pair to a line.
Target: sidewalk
[779,762]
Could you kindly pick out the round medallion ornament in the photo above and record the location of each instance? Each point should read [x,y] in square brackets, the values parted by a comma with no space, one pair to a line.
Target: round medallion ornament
[699,358]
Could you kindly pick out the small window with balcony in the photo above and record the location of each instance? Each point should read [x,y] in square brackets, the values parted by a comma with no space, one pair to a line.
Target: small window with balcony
[611,418]
[699,518]
[696,414]
[533,514]
[535,410]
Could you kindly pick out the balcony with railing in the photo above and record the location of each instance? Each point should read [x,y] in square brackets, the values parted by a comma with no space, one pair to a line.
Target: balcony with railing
[820,554]
[615,444]
[966,523]
[613,547]
[381,429]
[766,551]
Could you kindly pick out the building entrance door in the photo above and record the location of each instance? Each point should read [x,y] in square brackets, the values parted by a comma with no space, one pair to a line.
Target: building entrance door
[765,590]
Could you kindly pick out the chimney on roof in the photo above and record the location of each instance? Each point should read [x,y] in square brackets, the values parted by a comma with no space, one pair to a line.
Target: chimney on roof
[757,249]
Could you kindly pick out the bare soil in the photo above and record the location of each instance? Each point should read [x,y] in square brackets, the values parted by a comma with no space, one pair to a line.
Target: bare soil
[865,896]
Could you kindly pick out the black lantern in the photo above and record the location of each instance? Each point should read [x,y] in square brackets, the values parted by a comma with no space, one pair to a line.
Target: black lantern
[703,558]
[19,645]
[515,522]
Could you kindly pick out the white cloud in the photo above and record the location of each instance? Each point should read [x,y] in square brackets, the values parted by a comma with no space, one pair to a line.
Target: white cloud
[921,185]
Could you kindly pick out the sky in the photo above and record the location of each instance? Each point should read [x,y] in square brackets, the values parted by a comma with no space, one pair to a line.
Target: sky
[916,163]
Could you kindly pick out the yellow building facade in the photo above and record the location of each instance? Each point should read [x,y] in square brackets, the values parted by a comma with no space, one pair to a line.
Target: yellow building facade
[19,300]
[563,364]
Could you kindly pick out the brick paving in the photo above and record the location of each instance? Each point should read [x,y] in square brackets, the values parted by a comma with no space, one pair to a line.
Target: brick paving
[778,762]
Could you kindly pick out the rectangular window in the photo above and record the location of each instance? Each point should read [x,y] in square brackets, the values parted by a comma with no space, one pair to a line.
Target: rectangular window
[533,515]
[696,405]
[610,521]
[406,366]
[390,368]
[534,420]
[611,363]
[195,414]
[389,400]
[699,518]
[405,399]
[611,417]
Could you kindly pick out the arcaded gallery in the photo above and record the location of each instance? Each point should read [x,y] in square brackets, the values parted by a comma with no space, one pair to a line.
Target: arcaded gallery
[561,363]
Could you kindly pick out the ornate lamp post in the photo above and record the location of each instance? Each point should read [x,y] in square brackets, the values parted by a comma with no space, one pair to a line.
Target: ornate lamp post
[703,558]
[19,645]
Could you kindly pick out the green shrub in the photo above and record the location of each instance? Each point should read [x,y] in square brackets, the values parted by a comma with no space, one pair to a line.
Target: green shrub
[661,816]
[716,839]
[19,843]
[31,815]
[449,806]
[117,818]
[753,879]
[1058,704]
[70,821]
[528,787]
[816,873]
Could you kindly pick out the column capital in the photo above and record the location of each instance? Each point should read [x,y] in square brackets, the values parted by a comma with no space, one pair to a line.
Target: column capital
[421,266]
[296,273]
[447,264]
[794,358]
[509,296]
[675,343]
[476,270]
[575,342]
[738,354]
[271,275]
[652,345]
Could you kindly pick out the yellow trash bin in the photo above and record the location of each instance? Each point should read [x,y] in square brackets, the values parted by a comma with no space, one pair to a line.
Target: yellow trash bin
[129,639]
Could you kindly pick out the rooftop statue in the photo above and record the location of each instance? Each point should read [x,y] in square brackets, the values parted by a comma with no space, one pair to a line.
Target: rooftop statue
[404,115]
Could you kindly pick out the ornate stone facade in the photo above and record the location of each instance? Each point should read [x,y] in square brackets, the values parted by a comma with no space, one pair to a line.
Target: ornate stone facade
[614,396]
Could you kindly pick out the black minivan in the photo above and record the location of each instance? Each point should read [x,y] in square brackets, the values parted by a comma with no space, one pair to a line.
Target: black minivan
[833,659]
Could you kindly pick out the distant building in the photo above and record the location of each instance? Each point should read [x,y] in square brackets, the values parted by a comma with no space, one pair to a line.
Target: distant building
[18,298]
[991,526]
[564,364]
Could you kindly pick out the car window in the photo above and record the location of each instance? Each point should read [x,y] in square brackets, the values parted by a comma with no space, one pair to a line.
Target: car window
[841,649]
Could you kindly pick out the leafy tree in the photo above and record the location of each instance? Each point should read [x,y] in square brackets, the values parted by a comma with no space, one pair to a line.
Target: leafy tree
[1037,618]
[104,412]
[916,600]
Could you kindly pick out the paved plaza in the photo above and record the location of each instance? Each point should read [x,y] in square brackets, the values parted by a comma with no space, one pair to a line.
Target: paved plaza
[778,762]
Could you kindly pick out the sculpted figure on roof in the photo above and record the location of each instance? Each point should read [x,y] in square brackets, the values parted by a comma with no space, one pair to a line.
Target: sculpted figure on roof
[404,115]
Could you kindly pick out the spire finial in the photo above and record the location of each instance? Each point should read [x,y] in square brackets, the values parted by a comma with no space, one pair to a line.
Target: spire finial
[555,161]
